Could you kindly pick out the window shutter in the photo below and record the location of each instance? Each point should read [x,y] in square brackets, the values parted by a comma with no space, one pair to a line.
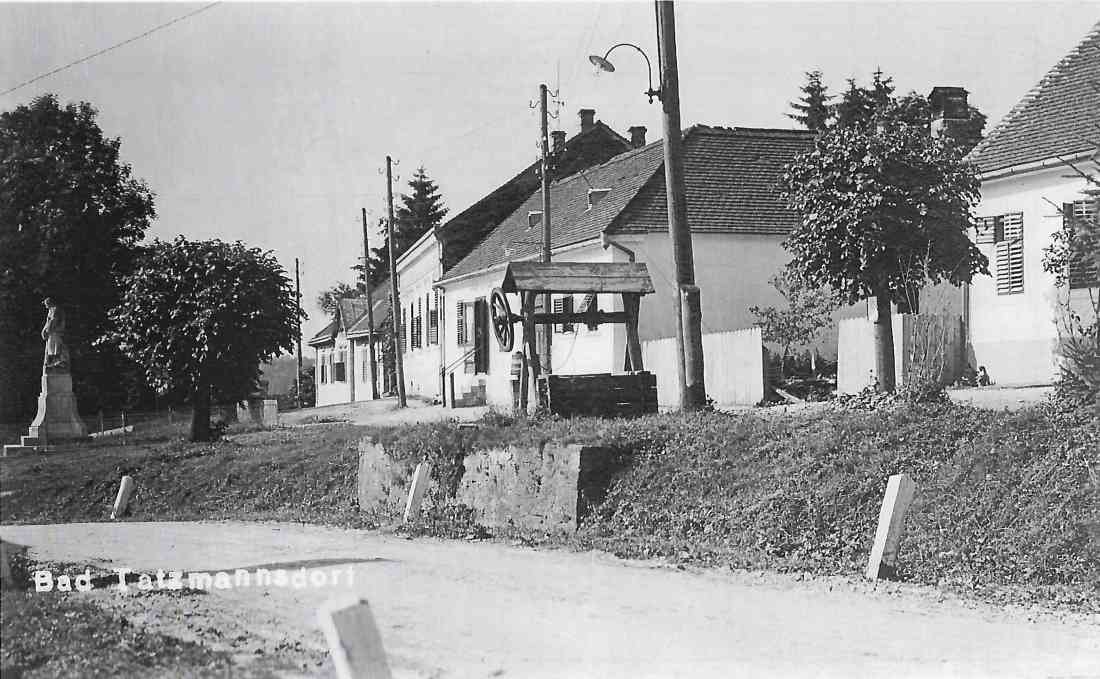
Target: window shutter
[558,307]
[589,304]
[567,307]
[404,328]
[986,228]
[460,323]
[1083,273]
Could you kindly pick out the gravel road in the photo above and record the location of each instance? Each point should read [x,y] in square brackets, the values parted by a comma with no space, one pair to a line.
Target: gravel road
[455,609]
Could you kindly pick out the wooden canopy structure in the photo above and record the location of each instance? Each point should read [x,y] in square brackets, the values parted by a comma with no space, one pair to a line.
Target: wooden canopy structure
[531,279]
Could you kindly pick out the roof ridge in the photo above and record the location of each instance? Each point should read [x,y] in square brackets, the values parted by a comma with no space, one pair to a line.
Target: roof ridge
[760,131]
[1032,94]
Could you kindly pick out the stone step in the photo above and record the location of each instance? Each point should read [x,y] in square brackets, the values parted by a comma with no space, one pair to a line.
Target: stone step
[14,450]
[29,440]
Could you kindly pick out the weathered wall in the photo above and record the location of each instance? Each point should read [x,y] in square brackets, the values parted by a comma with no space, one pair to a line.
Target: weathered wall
[918,339]
[541,488]
[733,367]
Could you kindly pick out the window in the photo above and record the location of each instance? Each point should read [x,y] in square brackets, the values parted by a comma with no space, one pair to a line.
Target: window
[1006,234]
[563,305]
[339,369]
[366,363]
[1082,273]
[324,368]
[462,337]
[433,320]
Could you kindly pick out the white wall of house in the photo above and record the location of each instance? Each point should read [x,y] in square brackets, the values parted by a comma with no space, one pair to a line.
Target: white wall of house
[417,271]
[361,365]
[329,390]
[1015,335]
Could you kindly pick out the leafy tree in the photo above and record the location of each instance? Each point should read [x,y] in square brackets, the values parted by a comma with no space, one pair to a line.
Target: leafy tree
[329,299]
[812,110]
[201,317]
[1076,246]
[309,388]
[808,311]
[71,215]
[885,209]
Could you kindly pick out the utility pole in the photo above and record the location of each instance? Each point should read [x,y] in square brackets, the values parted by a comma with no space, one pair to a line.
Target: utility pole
[689,332]
[298,317]
[395,299]
[545,331]
[370,310]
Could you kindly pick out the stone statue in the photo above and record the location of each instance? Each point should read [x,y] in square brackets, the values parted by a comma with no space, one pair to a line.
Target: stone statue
[57,354]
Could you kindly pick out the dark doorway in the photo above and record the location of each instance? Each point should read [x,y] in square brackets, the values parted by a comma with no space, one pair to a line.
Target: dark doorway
[481,336]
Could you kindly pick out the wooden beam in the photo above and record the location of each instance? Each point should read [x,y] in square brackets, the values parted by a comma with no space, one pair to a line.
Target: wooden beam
[631,304]
[599,317]
[568,277]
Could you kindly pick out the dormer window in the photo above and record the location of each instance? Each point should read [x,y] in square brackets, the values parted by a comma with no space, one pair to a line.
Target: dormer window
[534,219]
[596,195]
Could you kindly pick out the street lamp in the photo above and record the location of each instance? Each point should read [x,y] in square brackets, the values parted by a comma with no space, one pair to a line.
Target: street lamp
[604,65]
[689,332]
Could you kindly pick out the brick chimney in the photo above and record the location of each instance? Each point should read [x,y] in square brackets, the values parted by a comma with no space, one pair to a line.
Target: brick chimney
[637,136]
[588,118]
[557,142]
[949,107]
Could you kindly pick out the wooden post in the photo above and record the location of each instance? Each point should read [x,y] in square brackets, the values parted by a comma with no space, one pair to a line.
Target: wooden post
[416,491]
[354,640]
[125,489]
[395,297]
[891,520]
[101,420]
[631,304]
[532,351]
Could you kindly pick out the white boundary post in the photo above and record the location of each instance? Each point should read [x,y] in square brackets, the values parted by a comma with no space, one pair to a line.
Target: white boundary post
[900,490]
[125,488]
[416,491]
[353,639]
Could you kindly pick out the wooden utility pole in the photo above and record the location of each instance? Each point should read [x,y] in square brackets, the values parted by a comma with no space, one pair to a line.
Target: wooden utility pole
[298,317]
[545,331]
[395,299]
[689,332]
[370,310]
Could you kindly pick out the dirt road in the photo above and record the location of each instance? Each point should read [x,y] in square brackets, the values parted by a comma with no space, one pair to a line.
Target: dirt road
[451,609]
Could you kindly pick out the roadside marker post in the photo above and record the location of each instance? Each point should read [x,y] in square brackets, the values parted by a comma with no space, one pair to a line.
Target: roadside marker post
[125,489]
[354,640]
[416,491]
[883,561]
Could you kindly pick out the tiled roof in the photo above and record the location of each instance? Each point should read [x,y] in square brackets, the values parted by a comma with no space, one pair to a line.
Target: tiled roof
[351,315]
[730,177]
[464,231]
[731,180]
[1057,118]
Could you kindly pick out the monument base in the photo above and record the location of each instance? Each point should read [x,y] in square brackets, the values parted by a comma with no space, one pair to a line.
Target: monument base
[57,417]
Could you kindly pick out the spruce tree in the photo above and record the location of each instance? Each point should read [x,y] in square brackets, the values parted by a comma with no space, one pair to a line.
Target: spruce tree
[420,211]
[856,106]
[813,110]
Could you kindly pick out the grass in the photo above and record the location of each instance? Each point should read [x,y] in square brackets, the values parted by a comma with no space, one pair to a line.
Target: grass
[1006,501]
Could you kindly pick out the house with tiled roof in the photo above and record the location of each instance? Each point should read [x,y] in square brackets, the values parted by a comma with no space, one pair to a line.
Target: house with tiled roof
[423,305]
[343,367]
[616,212]
[1027,187]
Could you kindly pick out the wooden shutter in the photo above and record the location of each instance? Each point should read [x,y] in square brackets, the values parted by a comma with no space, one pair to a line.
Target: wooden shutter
[567,307]
[460,323]
[587,305]
[1010,267]
[558,307]
[1083,272]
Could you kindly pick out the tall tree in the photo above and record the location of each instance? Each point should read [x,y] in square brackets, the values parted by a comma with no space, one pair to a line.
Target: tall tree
[813,110]
[71,215]
[855,107]
[885,210]
[202,317]
[330,298]
[420,211]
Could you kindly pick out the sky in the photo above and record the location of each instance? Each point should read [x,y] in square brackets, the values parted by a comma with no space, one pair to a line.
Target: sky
[270,123]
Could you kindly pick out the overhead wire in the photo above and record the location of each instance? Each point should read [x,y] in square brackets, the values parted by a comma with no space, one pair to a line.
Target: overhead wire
[101,52]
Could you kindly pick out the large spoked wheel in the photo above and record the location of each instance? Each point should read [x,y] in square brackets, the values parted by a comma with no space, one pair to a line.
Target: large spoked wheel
[501,315]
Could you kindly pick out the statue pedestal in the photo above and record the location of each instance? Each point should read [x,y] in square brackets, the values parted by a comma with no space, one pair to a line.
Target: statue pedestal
[57,417]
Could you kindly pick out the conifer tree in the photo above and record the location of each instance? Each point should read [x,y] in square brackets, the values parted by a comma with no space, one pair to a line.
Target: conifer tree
[812,110]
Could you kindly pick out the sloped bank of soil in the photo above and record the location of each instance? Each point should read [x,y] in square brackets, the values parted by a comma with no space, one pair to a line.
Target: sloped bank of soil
[1006,500]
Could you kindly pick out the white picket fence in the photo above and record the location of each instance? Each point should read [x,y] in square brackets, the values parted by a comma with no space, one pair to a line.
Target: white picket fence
[733,367]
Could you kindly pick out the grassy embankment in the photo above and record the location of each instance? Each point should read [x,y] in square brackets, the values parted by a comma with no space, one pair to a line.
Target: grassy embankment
[1006,500]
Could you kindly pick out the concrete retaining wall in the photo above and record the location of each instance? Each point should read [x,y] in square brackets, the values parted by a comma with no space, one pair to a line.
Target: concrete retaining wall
[922,342]
[551,487]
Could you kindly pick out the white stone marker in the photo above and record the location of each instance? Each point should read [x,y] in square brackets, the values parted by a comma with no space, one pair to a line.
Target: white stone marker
[354,640]
[891,519]
[419,486]
[125,488]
